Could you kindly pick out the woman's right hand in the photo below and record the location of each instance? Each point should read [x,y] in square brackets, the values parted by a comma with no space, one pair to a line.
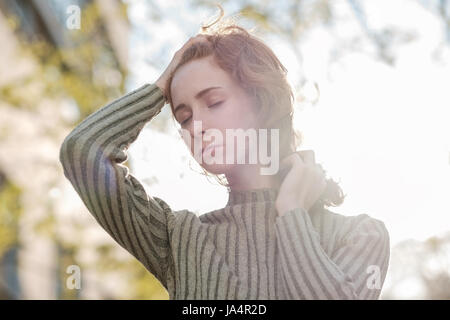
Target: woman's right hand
[161,82]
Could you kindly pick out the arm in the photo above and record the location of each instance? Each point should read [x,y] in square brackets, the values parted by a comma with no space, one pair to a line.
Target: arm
[91,156]
[309,273]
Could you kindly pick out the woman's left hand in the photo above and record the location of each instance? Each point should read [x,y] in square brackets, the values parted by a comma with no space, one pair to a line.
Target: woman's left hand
[303,184]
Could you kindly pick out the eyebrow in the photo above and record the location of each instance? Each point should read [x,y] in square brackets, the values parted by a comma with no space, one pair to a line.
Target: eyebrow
[197,96]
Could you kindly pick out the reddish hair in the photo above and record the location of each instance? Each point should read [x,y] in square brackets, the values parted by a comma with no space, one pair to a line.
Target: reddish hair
[259,72]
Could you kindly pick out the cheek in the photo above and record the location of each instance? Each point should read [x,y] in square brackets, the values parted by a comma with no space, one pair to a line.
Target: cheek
[236,115]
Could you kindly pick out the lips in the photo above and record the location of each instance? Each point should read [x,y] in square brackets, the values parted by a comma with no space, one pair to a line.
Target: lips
[209,147]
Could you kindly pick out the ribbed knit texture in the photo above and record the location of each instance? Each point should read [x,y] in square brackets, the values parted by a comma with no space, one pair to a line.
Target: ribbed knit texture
[246,250]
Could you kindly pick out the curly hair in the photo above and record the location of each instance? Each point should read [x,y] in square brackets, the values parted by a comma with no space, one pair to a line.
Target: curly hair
[260,73]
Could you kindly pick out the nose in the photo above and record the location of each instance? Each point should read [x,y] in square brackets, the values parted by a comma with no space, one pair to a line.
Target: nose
[196,127]
[193,136]
[198,132]
[195,130]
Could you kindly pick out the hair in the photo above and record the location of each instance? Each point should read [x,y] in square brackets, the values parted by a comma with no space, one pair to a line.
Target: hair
[259,72]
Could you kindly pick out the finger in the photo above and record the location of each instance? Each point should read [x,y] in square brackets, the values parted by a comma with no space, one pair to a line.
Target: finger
[319,183]
[323,185]
[189,42]
[192,40]
[290,160]
[285,163]
[320,173]
[198,37]
[308,156]
[320,168]
[186,45]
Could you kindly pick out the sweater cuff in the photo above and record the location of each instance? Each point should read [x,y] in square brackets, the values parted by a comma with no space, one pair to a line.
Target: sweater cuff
[162,93]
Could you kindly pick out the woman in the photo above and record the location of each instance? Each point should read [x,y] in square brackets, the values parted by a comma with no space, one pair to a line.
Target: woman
[274,239]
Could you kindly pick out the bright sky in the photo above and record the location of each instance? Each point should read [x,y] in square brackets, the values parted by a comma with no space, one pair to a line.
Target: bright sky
[382,131]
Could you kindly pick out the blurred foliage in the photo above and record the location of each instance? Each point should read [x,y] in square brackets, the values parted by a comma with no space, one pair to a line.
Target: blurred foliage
[437,281]
[85,70]
[420,266]
[291,20]
[10,213]
[66,258]
[143,285]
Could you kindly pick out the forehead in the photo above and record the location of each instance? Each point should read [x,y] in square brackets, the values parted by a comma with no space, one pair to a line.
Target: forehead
[196,75]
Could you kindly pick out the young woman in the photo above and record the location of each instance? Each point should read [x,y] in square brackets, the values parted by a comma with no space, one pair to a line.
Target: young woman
[274,239]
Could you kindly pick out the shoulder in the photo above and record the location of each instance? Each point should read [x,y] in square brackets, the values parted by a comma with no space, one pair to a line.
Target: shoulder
[176,219]
[353,228]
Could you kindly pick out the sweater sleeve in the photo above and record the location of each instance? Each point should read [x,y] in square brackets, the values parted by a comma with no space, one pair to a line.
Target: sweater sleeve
[91,156]
[356,269]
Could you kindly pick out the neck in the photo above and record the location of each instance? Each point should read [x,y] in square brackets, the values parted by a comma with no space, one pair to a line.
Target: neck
[248,177]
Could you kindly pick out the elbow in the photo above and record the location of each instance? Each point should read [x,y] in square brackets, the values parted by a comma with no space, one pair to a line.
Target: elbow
[67,152]
[64,152]
[83,152]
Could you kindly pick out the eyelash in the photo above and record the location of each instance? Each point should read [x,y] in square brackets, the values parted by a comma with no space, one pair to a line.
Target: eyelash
[215,104]
[211,106]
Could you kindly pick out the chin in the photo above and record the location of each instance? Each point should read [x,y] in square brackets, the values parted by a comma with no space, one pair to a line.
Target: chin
[217,168]
[221,167]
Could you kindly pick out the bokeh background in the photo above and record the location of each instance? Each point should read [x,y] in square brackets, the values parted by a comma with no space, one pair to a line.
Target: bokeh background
[372,82]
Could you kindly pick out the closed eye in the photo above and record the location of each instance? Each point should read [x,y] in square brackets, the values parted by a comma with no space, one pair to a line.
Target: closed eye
[215,104]
[185,121]
[211,106]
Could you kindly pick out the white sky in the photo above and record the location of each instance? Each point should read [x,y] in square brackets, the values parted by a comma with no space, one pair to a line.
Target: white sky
[381,131]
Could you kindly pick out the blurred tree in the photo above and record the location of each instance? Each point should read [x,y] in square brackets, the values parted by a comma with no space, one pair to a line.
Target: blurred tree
[422,268]
[86,72]
[434,267]
[10,213]
[291,21]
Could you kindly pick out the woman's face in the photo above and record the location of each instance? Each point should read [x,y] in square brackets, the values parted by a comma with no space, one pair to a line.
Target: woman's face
[203,92]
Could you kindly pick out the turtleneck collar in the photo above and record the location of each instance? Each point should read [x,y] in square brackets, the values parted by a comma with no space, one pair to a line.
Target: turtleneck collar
[258,199]
[252,195]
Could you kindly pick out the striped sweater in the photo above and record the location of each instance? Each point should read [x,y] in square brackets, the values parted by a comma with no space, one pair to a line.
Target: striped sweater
[245,250]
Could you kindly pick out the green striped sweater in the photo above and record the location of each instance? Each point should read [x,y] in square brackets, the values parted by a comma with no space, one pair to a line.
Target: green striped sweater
[245,250]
